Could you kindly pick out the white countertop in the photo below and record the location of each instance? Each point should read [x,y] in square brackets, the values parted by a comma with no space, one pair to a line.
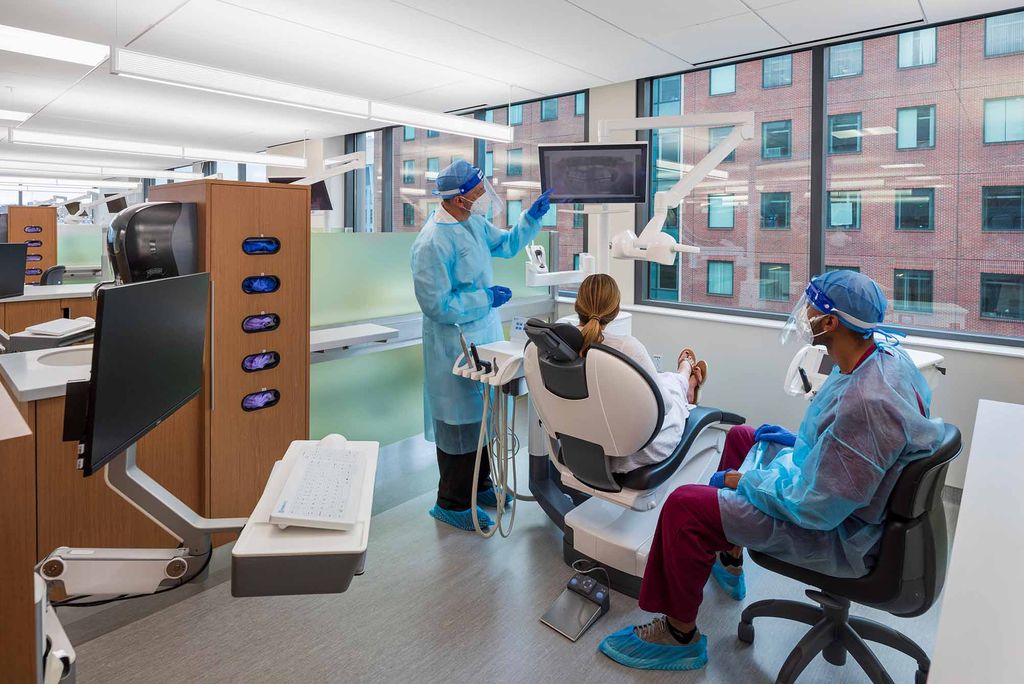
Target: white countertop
[41,292]
[342,336]
[28,379]
[979,627]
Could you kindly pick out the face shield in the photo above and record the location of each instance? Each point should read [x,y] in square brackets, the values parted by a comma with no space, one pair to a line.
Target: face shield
[800,322]
[487,203]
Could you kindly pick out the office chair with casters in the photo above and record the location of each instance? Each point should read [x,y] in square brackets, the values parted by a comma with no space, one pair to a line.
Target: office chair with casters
[53,276]
[905,581]
[592,410]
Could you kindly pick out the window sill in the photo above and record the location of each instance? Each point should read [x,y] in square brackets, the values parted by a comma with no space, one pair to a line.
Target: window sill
[749,321]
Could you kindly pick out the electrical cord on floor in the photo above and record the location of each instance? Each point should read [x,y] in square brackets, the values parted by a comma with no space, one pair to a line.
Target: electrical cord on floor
[76,601]
[594,567]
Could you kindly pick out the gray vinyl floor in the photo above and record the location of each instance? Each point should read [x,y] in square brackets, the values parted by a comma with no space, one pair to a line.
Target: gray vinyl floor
[434,605]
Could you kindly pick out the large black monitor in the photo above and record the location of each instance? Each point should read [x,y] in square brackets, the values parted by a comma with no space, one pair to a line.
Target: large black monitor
[595,173]
[319,198]
[12,269]
[147,361]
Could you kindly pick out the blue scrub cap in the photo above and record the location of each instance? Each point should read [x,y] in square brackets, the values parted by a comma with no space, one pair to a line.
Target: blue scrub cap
[458,178]
[853,294]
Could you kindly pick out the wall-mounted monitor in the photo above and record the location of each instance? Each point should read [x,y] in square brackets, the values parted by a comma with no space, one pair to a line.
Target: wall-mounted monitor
[116,205]
[595,173]
[319,198]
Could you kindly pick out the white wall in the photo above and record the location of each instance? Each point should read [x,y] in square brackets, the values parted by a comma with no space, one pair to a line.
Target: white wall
[746,365]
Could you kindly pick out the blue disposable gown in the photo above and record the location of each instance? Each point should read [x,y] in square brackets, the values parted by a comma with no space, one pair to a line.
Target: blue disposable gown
[451,271]
[821,503]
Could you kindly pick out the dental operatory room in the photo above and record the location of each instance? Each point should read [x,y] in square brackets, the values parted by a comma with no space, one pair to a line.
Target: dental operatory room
[483,341]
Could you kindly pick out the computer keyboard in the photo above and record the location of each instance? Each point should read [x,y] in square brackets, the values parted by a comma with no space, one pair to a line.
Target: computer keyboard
[322,489]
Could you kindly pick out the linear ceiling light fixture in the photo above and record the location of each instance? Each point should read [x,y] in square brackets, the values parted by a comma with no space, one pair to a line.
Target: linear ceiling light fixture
[22,136]
[68,183]
[436,121]
[11,115]
[198,77]
[23,41]
[50,167]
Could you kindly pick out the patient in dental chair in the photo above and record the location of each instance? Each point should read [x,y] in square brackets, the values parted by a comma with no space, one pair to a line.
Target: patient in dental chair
[597,304]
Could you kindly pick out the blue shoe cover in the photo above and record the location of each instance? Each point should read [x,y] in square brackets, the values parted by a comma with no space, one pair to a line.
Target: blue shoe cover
[626,648]
[461,519]
[489,497]
[734,585]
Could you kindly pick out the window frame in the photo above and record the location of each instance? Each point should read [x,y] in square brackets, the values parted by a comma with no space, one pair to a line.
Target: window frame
[518,107]
[731,157]
[408,219]
[732,279]
[858,138]
[828,67]
[981,296]
[931,210]
[984,120]
[711,80]
[789,210]
[408,133]
[916,307]
[732,210]
[543,103]
[764,63]
[579,97]
[407,165]
[985,211]
[761,281]
[984,48]
[917,119]
[764,140]
[935,33]
[858,205]
[508,162]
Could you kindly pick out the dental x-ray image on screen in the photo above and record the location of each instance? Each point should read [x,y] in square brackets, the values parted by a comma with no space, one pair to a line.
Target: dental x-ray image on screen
[595,173]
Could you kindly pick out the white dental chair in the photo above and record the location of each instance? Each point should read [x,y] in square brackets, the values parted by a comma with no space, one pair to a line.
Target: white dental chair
[592,410]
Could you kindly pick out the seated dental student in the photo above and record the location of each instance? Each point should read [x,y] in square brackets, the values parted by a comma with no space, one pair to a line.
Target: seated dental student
[815,499]
[597,304]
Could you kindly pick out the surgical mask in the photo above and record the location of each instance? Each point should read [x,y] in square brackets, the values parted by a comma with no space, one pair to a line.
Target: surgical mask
[804,328]
[481,205]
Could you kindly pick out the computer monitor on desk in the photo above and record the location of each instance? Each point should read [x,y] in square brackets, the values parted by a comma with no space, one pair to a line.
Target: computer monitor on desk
[147,362]
[12,269]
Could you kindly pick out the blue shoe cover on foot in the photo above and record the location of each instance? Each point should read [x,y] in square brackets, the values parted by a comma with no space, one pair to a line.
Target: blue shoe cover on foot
[626,648]
[734,585]
[461,519]
[489,497]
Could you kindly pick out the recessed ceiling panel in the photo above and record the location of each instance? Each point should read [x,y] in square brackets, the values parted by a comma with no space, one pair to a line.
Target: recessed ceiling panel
[808,20]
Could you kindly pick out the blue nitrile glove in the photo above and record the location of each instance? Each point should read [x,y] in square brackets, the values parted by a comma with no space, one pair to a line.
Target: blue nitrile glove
[498,295]
[540,205]
[776,434]
[718,479]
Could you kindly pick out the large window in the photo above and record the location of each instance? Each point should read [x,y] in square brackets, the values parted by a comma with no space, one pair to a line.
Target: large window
[775,210]
[720,278]
[846,60]
[917,48]
[915,127]
[774,281]
[912,290]
[1004,35]
[844,133]
[844,209]
[418,163]
[722,80]
[1004,120]
[1002,208]
[721,212]
[777,71]
[1002,296]
[915,209]
[716,135]
[776,139]
[549,109]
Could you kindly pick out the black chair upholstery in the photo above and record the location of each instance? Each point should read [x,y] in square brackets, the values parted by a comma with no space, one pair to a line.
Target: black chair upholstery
[905,580]
[53,276]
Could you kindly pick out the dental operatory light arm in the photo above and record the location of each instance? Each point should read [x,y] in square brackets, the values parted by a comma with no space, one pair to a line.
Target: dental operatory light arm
[335,166]
[653,244]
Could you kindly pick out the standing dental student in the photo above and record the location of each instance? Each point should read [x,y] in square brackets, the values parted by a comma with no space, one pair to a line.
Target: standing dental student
[453,279]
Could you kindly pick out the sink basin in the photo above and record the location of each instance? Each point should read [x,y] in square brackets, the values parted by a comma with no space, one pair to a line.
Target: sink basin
[75,356]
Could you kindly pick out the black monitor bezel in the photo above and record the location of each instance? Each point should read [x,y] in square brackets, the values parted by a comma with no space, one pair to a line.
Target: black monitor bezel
[614,199]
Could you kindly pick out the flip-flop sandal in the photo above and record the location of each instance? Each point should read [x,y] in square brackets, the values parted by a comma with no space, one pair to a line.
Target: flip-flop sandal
[703,366]
[693,355]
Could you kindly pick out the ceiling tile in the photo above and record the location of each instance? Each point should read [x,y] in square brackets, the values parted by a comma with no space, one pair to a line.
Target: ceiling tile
[705,42]
[944,10]
[808,20]
[92,20]
[660,15]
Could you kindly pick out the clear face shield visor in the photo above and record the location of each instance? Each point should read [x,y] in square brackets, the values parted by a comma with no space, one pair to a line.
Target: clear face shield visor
[486,204]
[799,324]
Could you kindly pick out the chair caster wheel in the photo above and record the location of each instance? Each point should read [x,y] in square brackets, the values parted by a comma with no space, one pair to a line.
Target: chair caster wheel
[745,633]
[920,677]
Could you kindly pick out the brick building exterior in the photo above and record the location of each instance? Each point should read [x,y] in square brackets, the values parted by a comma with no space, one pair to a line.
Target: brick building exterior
[945,256]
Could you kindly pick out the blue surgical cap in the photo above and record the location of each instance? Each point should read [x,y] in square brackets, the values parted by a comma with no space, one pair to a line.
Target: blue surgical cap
[458,178]
[852,293]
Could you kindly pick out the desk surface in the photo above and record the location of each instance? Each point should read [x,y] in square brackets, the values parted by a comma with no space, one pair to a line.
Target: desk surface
[29,380]
[34,293]
[979,629]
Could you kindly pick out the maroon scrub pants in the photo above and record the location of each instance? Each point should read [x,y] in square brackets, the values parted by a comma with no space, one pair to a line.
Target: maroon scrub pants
[688,537]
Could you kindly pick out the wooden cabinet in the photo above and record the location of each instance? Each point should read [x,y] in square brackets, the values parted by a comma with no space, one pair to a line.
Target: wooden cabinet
[243,444]
[20,315]
[37,227]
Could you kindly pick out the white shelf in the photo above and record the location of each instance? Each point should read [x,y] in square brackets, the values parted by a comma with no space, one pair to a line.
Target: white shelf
[341,337]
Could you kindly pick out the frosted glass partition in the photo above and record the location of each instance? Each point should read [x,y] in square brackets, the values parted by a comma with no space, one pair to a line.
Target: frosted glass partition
[359,276]
[79,245]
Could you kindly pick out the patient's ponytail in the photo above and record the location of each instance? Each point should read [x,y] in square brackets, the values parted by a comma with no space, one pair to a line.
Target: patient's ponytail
[597,304]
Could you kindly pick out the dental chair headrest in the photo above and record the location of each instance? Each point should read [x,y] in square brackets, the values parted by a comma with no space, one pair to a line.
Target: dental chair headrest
[557,341]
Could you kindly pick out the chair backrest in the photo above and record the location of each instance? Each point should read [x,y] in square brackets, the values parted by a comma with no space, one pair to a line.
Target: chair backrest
[53,276]
[598,407]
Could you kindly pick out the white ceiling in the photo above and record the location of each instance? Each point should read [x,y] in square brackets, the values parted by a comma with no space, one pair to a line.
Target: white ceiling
[436,54]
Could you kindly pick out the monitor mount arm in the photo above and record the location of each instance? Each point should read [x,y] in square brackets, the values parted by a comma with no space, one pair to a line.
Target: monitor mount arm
[653,244]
